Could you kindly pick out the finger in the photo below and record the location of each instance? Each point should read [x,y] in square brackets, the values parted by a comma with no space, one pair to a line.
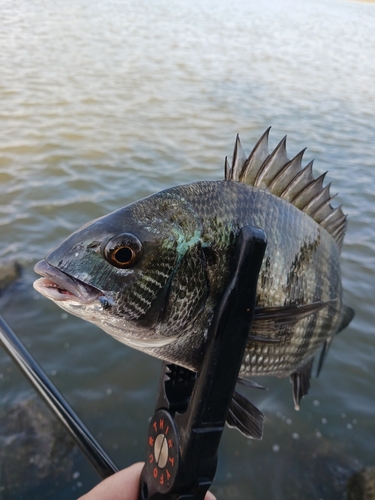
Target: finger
[209,496]
[124,485]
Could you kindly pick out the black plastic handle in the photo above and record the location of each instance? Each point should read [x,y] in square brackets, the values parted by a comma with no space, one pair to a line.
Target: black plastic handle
[191,409]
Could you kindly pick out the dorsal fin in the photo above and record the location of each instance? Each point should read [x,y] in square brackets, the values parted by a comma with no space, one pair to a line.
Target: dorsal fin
[287,179]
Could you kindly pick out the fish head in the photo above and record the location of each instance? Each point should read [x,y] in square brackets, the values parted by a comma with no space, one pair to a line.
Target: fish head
[121,272]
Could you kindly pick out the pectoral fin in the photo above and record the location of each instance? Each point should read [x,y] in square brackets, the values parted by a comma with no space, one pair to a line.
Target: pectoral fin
[288,314]
[272,324]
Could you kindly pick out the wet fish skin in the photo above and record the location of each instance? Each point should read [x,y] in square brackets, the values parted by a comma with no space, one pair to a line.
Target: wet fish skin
[152,273]
[187,234]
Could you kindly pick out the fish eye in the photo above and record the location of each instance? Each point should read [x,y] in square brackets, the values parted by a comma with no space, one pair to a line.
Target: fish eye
[123,250]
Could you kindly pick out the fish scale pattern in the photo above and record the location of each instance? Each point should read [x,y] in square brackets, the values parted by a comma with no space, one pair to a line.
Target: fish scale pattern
[301,266]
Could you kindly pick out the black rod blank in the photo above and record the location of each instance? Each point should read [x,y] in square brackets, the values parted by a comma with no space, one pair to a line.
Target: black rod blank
[55,401]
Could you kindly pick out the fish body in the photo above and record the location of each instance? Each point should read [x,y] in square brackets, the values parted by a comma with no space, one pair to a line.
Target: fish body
[152,273]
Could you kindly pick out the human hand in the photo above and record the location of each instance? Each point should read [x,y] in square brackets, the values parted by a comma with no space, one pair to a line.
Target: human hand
[124,485]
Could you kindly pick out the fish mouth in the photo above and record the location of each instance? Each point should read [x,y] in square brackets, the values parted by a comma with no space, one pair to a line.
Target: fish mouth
[59,286]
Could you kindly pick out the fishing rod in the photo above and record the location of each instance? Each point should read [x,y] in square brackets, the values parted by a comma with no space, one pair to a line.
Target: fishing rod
[191,409]
[55,401]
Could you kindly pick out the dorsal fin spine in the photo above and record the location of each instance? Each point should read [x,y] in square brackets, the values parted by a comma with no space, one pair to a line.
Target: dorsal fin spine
[297,183]
[335,214]
[324,209]
[314,204]
[335,224]
[226,168]
[271,167]
[309,192]
[287,179]
[238,160]
[287,173]
[255,160]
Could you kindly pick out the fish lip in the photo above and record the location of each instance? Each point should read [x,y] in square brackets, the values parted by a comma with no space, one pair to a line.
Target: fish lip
[59,286]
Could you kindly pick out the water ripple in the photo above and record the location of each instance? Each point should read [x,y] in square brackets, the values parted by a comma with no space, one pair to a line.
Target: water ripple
[103,103]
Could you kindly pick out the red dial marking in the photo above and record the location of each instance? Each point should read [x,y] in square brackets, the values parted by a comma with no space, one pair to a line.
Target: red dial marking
[162,455]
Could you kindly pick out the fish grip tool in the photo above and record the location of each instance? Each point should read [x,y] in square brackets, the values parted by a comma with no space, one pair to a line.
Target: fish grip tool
[191,409]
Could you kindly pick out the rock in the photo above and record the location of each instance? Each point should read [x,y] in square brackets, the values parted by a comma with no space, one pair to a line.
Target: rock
[35,450]
[9,271]
[361,485]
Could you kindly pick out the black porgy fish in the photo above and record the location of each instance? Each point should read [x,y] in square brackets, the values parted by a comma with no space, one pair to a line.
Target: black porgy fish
[151,274]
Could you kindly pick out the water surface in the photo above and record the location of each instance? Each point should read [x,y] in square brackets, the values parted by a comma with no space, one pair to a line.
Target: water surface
[102,103]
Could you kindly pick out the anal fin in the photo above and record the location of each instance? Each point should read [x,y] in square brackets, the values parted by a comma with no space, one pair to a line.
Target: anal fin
[245,417]
[300,380]
[323,355]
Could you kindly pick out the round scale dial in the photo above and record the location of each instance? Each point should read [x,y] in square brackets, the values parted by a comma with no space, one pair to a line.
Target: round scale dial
[162,450]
